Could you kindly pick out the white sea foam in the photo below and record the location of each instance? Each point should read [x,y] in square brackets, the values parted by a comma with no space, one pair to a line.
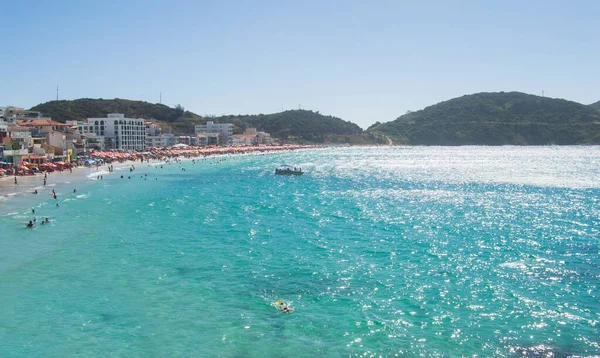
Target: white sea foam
[95,175]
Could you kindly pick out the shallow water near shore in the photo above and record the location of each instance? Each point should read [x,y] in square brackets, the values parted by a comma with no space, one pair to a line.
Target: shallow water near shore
[424,251]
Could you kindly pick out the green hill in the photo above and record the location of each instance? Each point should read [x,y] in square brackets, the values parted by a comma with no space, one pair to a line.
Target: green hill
[301,124]
[596,105]
[496,119]
[80,109]
[294,125]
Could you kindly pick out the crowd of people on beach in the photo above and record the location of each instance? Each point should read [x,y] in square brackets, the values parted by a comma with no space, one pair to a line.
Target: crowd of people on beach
[99,158]
[185,152]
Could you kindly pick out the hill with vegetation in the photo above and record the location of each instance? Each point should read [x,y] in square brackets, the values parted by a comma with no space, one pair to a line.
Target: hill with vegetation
[300,124]
[596,105]
[496,119]
[83,108]
[294,125]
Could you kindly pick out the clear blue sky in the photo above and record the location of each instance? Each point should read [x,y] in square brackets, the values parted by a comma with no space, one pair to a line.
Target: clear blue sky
[363,61]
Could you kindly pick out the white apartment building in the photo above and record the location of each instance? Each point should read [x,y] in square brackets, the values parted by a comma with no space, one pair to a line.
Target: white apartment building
[224,129]
[119,133]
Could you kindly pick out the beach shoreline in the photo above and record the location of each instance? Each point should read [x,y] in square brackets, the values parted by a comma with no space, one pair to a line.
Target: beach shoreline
[67,180]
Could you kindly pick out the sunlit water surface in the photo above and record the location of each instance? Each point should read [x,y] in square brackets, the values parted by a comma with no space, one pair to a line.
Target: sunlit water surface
[380,252]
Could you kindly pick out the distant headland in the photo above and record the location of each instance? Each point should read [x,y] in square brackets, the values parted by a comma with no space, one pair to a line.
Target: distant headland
[502,118]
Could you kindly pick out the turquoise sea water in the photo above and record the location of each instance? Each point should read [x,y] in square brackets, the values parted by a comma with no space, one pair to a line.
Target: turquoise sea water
[422,251]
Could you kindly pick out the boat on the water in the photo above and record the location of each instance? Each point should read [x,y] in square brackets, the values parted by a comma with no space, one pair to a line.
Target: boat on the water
[288,170]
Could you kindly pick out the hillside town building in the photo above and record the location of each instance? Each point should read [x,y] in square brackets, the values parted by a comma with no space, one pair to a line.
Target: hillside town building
[119,132]
[224,129]
[27,135]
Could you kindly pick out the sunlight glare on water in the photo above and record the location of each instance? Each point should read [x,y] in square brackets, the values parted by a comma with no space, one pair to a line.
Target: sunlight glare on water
[408,251]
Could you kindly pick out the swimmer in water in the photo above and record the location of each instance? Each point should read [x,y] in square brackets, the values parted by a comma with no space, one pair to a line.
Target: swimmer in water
[283,307]
[30,224]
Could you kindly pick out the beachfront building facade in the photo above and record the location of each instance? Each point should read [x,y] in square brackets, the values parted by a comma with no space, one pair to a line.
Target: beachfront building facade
[54,132]
[208,139]
[119,132]
[261,137]
[21,135]
[54,139]
[15,143]
[110,134]
[224,129]
[244,139]
[3,130]
[187,140]
[12,114]
[161,140]
[93,142]
[155,138]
